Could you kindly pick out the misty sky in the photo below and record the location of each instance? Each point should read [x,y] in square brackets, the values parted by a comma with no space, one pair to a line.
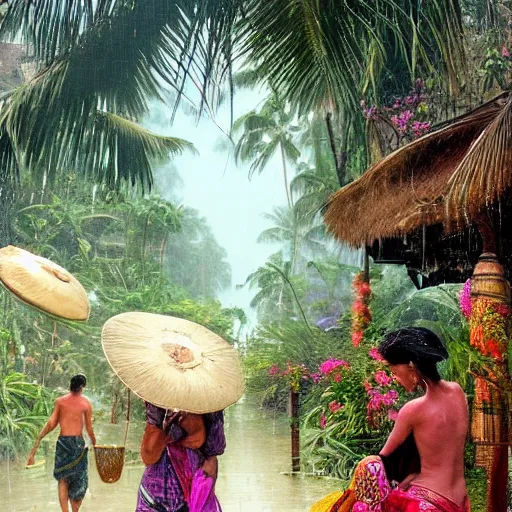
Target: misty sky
[222,192]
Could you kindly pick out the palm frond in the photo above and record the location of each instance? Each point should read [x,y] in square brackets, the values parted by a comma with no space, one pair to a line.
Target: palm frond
[485,172]
[315,52]
[65,133]
[125,47]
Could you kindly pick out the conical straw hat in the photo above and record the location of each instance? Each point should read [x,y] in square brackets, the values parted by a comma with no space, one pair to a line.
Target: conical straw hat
[173,363]
[43,284]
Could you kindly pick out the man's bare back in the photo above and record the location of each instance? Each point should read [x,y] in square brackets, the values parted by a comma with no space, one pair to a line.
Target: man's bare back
[439,421]
[73,412]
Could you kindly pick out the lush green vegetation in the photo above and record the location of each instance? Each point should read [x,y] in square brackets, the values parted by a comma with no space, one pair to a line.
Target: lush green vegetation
[76,172]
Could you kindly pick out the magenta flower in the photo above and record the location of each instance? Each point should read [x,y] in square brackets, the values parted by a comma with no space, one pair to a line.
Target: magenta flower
[504,52]
[382,378]
[316,377]
[375,354]
[337,378]
[331,364]
[465,299]
[419,128]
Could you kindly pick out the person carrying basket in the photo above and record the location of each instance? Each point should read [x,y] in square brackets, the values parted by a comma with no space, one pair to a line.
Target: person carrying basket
[71,413]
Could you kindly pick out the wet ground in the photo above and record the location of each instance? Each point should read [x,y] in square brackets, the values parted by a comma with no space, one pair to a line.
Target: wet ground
[250,479]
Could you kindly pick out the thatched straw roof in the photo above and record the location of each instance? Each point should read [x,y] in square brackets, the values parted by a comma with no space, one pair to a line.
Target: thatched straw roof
[444,177]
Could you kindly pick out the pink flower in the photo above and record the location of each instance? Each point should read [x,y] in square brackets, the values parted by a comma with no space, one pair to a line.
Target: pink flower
[392,414]
[367,386]
[465,299]
[323,421]
[316,377]
[375,354]
[335,407]
[504,52]
[274,370]
[331,364]
[389,398]
[382,378]
[337,378]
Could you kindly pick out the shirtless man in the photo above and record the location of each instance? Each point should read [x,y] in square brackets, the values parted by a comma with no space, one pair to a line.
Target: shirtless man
[439,420]
[71,412]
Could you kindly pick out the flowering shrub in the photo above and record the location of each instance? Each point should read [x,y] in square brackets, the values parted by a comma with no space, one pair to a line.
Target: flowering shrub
[407,115]
[352,407]
[294,374]
[361,315]
[382,396]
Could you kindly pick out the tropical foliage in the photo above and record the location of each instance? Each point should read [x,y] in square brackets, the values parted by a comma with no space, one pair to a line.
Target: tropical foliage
[347,83]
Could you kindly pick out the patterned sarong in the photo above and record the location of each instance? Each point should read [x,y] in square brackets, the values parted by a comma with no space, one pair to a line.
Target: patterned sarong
[71,465]
[370,491]
[176,483]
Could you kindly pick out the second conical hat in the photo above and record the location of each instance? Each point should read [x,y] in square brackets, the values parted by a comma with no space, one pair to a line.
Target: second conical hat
[173,363]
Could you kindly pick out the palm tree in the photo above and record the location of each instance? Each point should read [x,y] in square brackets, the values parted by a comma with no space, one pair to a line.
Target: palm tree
[277,287]
[297,237]
[265,133]
[59,121]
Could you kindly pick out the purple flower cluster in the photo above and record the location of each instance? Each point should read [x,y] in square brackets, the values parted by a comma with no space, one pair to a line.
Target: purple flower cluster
[403,112]
[401,121]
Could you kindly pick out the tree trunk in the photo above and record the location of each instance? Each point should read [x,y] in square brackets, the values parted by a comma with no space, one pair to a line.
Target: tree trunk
[341,156]
[5,225]
[162,254]
[285,174]
[143,251]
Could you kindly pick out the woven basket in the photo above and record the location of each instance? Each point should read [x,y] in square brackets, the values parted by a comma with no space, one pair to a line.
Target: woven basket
[110,462]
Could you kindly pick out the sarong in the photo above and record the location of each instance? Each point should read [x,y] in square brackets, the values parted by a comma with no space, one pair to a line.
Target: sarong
[71,465]
[370,491]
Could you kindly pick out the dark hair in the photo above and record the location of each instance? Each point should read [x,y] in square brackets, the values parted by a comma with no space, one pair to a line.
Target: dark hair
[417,345]
[77,382]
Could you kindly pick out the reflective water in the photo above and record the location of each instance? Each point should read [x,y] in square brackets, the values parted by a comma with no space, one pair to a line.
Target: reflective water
[251,475]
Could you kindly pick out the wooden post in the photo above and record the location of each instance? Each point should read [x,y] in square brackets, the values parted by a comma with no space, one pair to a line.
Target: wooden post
[488,276]
[294,411]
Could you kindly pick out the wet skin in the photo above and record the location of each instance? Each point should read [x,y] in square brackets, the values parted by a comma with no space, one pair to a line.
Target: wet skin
[439,421]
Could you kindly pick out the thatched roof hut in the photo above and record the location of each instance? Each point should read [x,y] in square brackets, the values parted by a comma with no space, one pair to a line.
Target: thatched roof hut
[417,206]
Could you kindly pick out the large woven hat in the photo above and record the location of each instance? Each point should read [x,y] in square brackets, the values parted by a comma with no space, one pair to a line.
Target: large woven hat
[173,363]
[43,284]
